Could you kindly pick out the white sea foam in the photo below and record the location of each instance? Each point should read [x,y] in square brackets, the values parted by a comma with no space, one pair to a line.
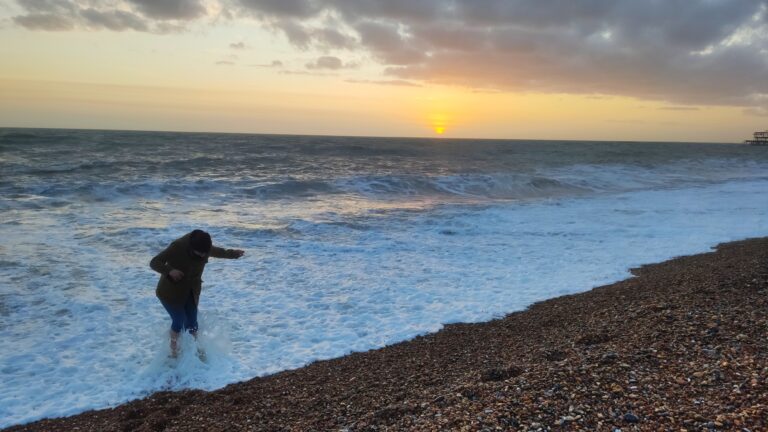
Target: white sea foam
[81,327]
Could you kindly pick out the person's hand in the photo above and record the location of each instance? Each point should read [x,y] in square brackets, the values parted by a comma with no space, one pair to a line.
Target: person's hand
[238,253]
[175,275]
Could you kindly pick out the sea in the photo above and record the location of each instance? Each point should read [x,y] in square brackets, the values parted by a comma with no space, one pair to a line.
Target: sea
[350,244]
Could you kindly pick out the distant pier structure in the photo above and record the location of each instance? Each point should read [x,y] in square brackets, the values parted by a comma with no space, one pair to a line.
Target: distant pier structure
[761,139]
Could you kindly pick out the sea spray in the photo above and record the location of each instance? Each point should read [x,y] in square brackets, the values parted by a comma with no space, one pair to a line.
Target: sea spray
[199,361]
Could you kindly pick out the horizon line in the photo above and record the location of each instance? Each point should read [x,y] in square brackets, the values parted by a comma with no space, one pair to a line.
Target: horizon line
[440,138]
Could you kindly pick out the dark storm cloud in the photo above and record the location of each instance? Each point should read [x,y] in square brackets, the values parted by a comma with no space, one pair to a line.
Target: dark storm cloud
[682,51]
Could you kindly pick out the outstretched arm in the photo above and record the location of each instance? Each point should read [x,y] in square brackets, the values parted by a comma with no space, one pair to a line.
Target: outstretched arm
[218,252]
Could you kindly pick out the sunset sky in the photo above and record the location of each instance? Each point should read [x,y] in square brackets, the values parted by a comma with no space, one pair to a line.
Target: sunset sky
[676,70]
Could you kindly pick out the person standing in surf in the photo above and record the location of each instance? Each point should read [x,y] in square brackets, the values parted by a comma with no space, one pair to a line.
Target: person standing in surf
[181,267]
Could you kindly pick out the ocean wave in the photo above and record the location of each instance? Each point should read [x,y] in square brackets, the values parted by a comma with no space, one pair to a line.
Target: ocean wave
[18,136]
[470,186]
[391,187]
[290,189]
[79,168]
[572,180]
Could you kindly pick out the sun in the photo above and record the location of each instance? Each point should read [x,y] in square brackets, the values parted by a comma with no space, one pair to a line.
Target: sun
[439,122]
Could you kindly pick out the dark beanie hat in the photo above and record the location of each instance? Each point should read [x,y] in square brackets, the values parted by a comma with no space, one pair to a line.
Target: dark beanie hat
[200,241]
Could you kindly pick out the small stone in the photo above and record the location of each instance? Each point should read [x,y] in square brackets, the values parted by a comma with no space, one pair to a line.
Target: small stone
[498,374]
[555,355]
[741,337]
[630,418]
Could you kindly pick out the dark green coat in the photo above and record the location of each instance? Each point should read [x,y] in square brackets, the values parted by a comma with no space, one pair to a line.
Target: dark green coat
[179,256]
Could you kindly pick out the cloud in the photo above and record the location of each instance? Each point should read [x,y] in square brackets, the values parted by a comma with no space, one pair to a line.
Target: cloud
[48,6]
[756,111]
[304,37]
[281,8]
[679,51]
[113,20]
[401,83]
[329,63]
[225,63]
[684,52]
[303,72]
[680,108]
[274,64]
[49,22]
[170,9]
[760,106]
[237,45]
[332,38]
[295,32]
[386,43]
[157,16]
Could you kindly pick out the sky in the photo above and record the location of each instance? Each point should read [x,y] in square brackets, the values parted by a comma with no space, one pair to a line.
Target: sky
[639,70]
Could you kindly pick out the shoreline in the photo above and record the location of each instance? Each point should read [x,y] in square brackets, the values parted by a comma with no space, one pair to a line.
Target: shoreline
[682,345]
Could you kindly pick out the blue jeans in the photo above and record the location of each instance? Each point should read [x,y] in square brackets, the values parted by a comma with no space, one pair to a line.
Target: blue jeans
[183,317]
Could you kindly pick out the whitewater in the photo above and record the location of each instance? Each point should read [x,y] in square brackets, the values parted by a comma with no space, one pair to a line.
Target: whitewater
[351,244]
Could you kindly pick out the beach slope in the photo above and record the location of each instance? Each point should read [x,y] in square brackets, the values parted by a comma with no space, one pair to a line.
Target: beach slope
[681,346]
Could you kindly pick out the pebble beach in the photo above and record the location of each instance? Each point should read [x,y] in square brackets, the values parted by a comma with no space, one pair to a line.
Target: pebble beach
[425,215]
[681,346]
